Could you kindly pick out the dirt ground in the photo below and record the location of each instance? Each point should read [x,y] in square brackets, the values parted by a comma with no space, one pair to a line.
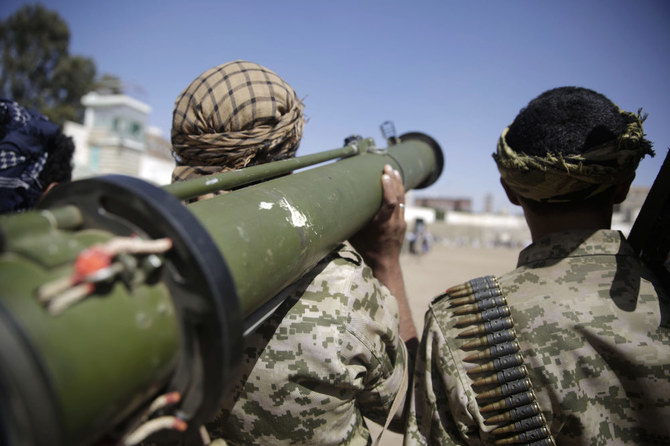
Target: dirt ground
[432,273]
[428,275]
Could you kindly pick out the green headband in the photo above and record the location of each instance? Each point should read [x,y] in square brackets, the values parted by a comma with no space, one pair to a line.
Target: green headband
[556,178]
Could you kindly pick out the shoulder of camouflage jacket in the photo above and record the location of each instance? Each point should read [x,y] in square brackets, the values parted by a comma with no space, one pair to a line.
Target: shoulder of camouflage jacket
[588,327]
[333,347]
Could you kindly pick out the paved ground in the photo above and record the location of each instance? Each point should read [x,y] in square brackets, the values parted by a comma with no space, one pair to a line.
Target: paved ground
[443,266]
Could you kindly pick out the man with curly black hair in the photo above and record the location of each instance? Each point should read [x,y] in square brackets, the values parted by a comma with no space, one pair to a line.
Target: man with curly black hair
[572,347]
[35,155]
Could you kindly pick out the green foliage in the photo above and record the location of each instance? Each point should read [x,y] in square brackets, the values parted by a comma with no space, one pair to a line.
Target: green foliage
[109,84]
[37,69]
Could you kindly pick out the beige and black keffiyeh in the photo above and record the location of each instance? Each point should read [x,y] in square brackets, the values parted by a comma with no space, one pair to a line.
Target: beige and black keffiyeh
[234,115]
[556,178]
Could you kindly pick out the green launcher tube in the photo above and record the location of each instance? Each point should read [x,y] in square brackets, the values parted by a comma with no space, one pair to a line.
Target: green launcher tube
[84,352]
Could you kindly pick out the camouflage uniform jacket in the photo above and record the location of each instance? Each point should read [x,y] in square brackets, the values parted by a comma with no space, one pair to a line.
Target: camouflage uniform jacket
[329,356]
[589,328]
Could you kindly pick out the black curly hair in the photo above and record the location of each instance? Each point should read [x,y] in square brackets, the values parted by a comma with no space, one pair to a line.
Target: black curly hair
[567,120]
[58,168]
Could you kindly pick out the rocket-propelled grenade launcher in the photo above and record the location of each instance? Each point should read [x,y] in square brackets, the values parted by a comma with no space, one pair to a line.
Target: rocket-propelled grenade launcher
[122,310]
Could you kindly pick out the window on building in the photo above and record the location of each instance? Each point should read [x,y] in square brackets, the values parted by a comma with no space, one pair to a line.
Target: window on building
[135,129]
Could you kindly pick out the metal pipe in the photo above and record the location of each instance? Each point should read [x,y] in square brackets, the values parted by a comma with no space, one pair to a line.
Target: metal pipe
[185,190]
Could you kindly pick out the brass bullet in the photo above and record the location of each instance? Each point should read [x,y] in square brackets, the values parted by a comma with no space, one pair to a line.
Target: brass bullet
[462,300]
[471,287]
[521,425]
[475,297]
[486,315]
[462,291]
[487,327]
[459,290]
[481,305]
[516,400]
[503,376]
[503,390]
[495,351]
[492,338]
[515,414]
[498,364]
[527,437]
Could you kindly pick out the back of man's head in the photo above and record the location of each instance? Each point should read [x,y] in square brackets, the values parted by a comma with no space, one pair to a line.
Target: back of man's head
[234,115]
[34,153]
[568,145]
[59,167]
[566,120]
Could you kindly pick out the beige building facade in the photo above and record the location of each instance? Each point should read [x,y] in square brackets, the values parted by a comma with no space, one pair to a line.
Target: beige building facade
[115,139]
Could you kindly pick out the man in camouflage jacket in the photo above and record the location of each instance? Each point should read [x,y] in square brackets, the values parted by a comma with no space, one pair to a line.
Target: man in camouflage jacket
[570,347]
[329,356]
[333,352]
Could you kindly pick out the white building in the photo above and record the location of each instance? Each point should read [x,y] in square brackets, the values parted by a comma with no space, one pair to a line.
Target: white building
[115,139]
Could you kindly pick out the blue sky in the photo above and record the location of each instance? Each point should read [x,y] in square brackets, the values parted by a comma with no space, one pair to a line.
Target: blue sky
[456,70]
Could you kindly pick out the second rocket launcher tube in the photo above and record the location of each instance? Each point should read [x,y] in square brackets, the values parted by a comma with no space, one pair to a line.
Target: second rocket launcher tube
[271,233]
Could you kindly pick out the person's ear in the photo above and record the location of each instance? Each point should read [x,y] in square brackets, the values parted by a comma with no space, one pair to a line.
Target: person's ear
[511,195]
[621,190]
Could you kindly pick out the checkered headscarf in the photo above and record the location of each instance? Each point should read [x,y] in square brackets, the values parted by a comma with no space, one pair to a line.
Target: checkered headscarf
[24,140]
[234,115]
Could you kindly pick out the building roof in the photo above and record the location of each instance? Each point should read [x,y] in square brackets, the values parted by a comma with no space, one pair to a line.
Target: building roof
[94,99]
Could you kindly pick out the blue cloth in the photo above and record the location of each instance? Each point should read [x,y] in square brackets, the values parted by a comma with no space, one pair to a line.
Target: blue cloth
[24,143]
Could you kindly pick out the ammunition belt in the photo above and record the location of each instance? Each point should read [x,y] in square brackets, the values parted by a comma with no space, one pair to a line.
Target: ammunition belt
[500,379]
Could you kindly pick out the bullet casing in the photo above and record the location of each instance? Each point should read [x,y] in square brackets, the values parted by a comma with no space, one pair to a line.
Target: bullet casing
[510,388]
[514,414]
[486,315]
[498,364]
[521,425]
[518,399]
[488,327]
[527,436]
[490,339]
[481,305]
[503,376]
